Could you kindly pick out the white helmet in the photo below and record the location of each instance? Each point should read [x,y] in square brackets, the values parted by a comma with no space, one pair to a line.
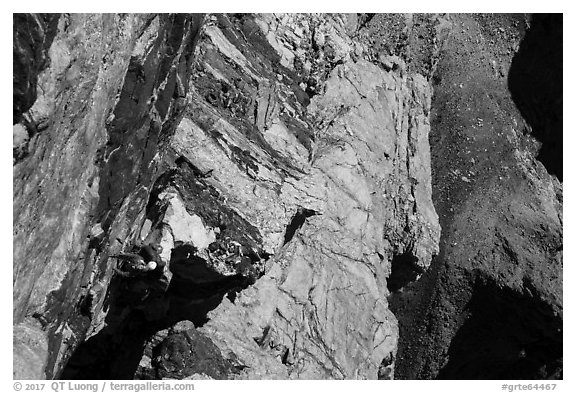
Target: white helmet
[151,265]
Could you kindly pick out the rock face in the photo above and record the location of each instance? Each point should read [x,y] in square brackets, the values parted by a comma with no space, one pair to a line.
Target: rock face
[355,184]
[279,166]
[490,306]
[107,98]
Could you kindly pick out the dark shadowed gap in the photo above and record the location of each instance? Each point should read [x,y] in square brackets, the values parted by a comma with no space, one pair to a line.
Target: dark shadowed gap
[506,336]
[404,271]
[139,308]
[297,221]
[535,83]
[410,306]
[134,316]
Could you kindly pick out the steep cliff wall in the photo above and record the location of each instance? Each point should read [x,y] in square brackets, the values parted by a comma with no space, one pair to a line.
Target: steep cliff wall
[490,306]
[352,166]
[315,162]
[108,96]
[280,166]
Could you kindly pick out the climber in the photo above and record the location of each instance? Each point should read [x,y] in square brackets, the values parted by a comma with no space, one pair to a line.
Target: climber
[146,263]
[143,272]
[154,265]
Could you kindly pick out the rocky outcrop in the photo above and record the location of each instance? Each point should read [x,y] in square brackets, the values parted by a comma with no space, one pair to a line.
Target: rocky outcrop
[291,181]
[109,89]
[335,196]
[490,306]
[279,214]
[280,167]
[33,35]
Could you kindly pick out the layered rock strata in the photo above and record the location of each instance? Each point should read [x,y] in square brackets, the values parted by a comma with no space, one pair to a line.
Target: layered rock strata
[280,166]
[98,96]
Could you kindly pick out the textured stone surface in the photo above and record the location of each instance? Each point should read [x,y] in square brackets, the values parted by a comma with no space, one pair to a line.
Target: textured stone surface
[32,35]
[290,186]
[280,164]
[357,160]
[490,306]
[30,352]
[95,74]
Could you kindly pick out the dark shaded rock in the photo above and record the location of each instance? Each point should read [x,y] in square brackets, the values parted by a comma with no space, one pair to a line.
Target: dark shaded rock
[91,77]
[505,335]
[187,353]
[203,199]
[32,37]
[490,306]
[151,103]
